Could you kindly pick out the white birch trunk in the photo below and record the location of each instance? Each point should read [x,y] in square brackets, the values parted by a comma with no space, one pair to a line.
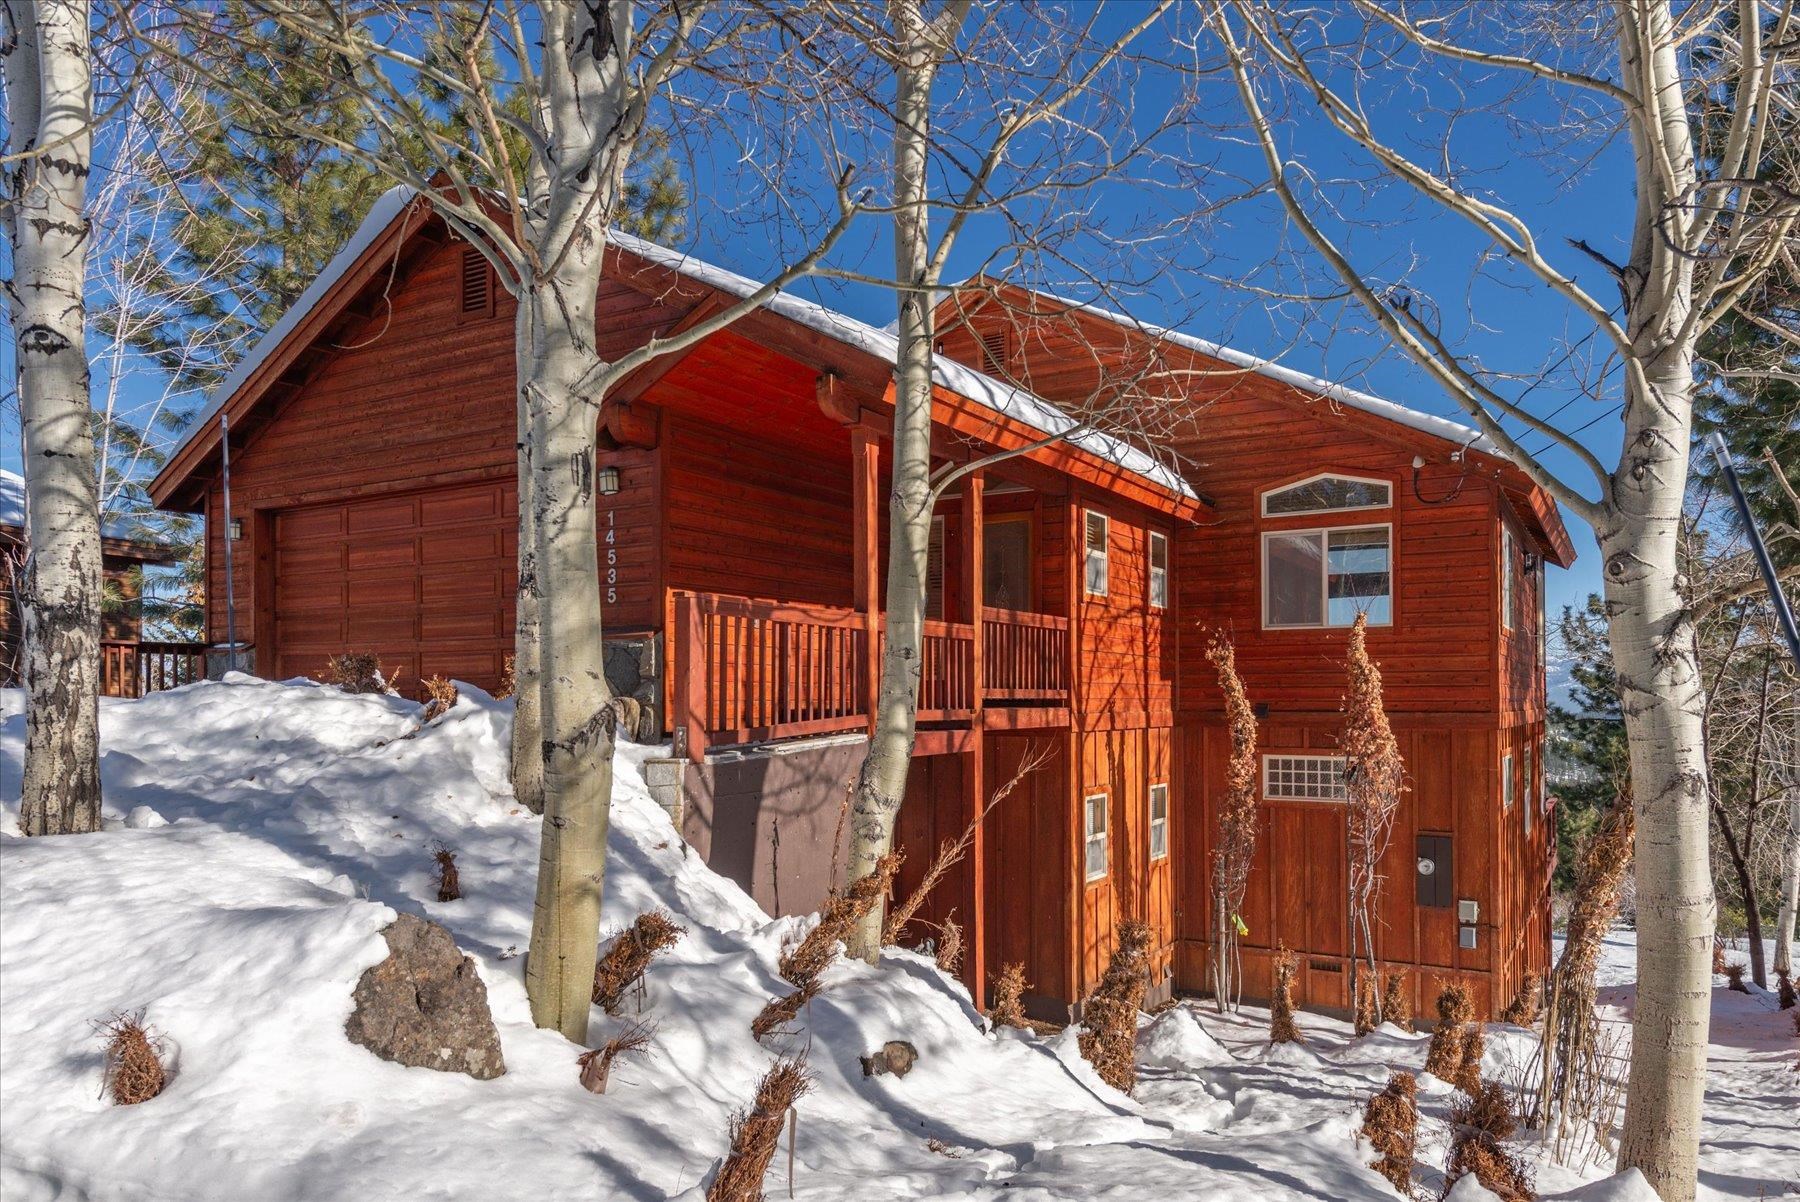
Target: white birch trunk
[527,729]
[1660,686]
[49,96]
[881,785]
[576,722]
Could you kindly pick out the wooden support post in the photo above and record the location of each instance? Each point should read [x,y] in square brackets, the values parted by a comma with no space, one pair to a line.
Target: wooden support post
[865,522]
[690,667]
[974,534]
[975,965]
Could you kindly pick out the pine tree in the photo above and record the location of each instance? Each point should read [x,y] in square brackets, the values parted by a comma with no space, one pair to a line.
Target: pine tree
[1587,750]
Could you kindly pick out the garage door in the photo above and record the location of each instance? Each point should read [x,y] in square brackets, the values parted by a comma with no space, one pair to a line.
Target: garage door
[424,580]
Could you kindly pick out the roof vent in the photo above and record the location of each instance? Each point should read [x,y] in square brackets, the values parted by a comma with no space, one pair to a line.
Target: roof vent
[993,352]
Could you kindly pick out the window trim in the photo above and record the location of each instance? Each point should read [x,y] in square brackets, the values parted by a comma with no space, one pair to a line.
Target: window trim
[1268,795]
[1089,835]
[1105,553]
[1151,570]
[1262,501]
[1155,824]
[1262,568]
[1509,585]
[1508,786]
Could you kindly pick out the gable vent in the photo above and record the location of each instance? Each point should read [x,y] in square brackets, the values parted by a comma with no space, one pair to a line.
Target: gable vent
[477,286]
[993,352]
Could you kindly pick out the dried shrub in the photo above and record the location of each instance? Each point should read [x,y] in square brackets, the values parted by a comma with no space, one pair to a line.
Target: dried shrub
[1391,1124]
[1474,1045]
[1479,1123]
[1368,1016]
[1734,978]
[778,1012]
[355,672]
[1281,1003]
[1443,1059]
[805,963]
[1718,964]
[1374,779]
[1527,1005]
[756,1133]
[1396,1001]
[596,1066]
[508,679]
[1784,992]
[134,1071]
[1109,1016]
[449,882]
[1008,1009]
[624,963]
[440,695]
[950,948]
[1234,840]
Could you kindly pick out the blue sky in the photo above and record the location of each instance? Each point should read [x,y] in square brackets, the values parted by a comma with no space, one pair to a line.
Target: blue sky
[1188,280]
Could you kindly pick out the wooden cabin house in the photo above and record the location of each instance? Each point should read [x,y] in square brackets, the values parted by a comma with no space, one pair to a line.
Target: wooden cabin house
[742,507]
[129,665]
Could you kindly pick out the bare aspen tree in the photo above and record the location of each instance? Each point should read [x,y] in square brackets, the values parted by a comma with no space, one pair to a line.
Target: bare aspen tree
[49,155]
[910,49]
[1703,230]
[554,101]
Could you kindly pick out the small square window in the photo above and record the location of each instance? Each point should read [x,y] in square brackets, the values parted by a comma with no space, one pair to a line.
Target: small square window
[1159,570]
[1098,529]
[1096,837]
[1159,822]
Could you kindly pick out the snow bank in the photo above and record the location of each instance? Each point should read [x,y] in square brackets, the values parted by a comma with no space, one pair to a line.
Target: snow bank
[261,834]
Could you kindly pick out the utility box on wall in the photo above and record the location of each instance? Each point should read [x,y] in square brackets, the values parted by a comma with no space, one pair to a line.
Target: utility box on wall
[1436,882]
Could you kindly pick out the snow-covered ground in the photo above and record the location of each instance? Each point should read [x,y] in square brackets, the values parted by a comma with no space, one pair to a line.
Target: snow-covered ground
[261,835]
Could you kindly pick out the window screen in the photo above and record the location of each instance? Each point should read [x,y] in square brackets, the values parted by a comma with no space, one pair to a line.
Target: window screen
[1159,821]
[1097,527]
[1096,837]
[1159,570]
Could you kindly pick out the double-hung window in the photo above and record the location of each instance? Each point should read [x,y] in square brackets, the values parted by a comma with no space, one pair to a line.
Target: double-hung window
[1098,530]
[1327,577]
[1094,862]
[1159,822]
[1530,790]
[1509,579]
[1159,571]
[1507,785]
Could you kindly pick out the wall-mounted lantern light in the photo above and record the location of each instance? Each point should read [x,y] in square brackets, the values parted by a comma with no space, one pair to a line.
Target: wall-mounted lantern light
[609,481]
[235,529]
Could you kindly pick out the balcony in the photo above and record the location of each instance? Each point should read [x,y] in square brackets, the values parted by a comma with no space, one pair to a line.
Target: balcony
[745,670]
[129,668]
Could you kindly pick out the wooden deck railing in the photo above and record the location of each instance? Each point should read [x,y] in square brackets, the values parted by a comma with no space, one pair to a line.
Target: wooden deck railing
[747,669]
[743,670]
[129,669]
[1025,656]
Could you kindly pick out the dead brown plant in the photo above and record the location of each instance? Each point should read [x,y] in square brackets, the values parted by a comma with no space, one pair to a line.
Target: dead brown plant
[449,881]
[1282,1028]
[1234,839]
[1444,1057]
[1396,1000]
[597,1065]
[440,696]
[1109,1016]
[134,1070]
[1391,1124]
[1479,1123]
[623,964]
[1008,1009]
[756,1133]
[1527,1005]
[355,672]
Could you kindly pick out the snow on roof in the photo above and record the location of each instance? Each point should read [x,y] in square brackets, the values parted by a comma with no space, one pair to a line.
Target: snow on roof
[12,511]
[1439,427]
[1003,398]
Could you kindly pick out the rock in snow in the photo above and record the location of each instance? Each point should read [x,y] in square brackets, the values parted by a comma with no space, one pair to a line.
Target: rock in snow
[425,1006]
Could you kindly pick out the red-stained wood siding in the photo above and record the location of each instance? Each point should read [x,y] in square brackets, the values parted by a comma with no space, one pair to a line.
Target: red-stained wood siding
[1125,647]
[1521,648]
[1031,869]
[1123,764]
[1297,884]
[629,526]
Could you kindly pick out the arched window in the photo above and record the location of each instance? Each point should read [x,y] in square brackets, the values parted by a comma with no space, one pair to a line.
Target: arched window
[1326,493]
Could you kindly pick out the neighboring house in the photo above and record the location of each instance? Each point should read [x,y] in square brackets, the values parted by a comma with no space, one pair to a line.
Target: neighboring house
[122,558]
[742,515]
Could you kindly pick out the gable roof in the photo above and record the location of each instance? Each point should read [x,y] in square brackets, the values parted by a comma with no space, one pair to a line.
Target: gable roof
[1533,504]
[394,217]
